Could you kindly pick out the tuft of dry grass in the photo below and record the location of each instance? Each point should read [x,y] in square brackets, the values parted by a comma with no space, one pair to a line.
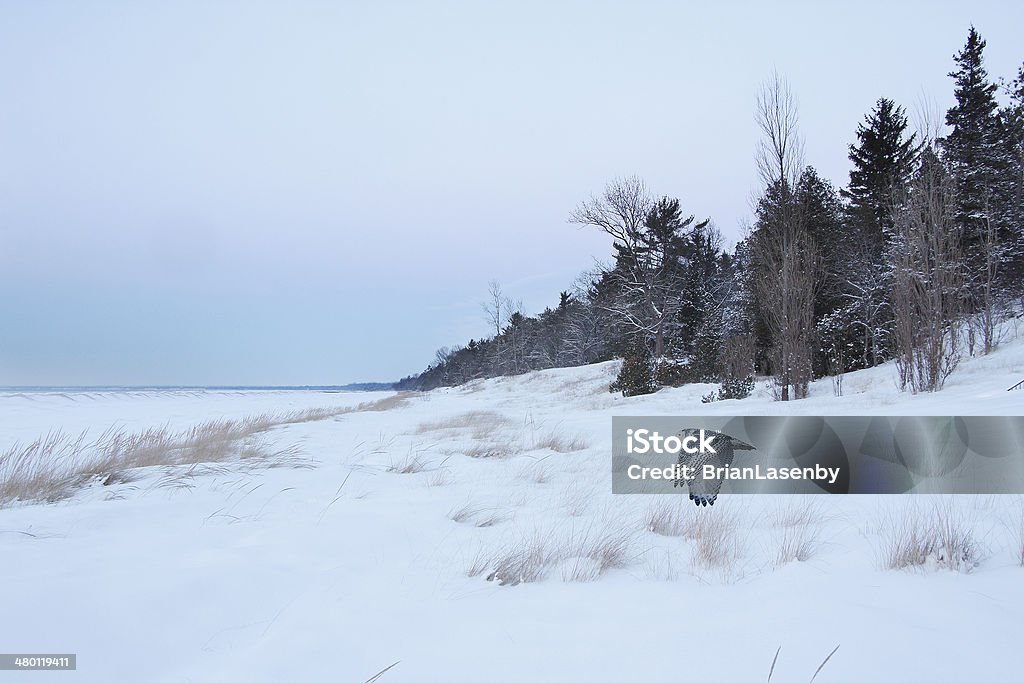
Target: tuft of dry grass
[256,454]
[938,534]
[669,518]
[477,516]
[799,536]
[803,511]
[714,533]
[523,561]
[716,543]
[490,450]
[580,557]
[44,470]
[535,472]
[442,476]
[609,549]
[464,514]
[1015,524]
[560,443]
[576,500]
[797,543]
[410,463]
[579,569]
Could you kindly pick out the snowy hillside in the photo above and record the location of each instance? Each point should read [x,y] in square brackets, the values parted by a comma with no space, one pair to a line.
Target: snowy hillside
[470,535]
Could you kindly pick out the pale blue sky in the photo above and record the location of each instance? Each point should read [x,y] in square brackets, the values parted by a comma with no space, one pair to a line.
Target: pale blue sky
[319,192]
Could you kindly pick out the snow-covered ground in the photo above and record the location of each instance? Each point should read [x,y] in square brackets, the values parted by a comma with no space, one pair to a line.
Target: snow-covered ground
[336,572]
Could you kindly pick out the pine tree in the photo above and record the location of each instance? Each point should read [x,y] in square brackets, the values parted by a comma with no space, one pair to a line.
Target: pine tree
[822,217]
[706,364]
[1011,120]
[636,375]
[977,159]
[971,148]
[883,159]
[820,208]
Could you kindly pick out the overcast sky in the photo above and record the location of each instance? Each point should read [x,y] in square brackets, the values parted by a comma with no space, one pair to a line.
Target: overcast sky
[319,192]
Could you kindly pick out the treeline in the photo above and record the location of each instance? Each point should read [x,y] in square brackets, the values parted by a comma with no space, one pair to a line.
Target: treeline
[918,259]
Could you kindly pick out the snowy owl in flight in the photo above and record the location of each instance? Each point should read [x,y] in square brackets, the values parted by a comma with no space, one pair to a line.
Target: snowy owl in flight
[704,490]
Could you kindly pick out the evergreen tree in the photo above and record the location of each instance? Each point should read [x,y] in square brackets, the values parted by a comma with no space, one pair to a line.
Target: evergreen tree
[653,269]
[977,159]
[1011,120]
[854,333]
[636,376]
[701,257]
[706,365]
[822,216]
[971,148]
[883,159]
[603,295]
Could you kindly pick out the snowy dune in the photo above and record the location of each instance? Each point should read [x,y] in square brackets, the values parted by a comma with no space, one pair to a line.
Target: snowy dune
[334,573]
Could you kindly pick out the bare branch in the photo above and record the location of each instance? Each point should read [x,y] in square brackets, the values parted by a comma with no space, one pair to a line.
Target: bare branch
[781,151]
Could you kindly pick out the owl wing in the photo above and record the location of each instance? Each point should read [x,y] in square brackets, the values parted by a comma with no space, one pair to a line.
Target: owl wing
[704,490]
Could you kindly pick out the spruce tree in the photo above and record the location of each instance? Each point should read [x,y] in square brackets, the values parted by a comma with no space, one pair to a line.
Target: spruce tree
[636,375]
[822,216]
[700,292]
[977,159]
[1011,120]
[971,148]
[820,208]
[883,159]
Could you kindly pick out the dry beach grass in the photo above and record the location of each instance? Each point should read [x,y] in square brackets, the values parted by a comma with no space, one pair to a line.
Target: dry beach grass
[54,466]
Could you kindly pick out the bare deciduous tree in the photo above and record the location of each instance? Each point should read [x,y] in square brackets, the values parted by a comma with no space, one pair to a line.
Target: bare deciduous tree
[780,154]
[505,315]
[785,257]
[620,211]
[496,308]
[647,271]
[927,277]
[990,253]
[738,354]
